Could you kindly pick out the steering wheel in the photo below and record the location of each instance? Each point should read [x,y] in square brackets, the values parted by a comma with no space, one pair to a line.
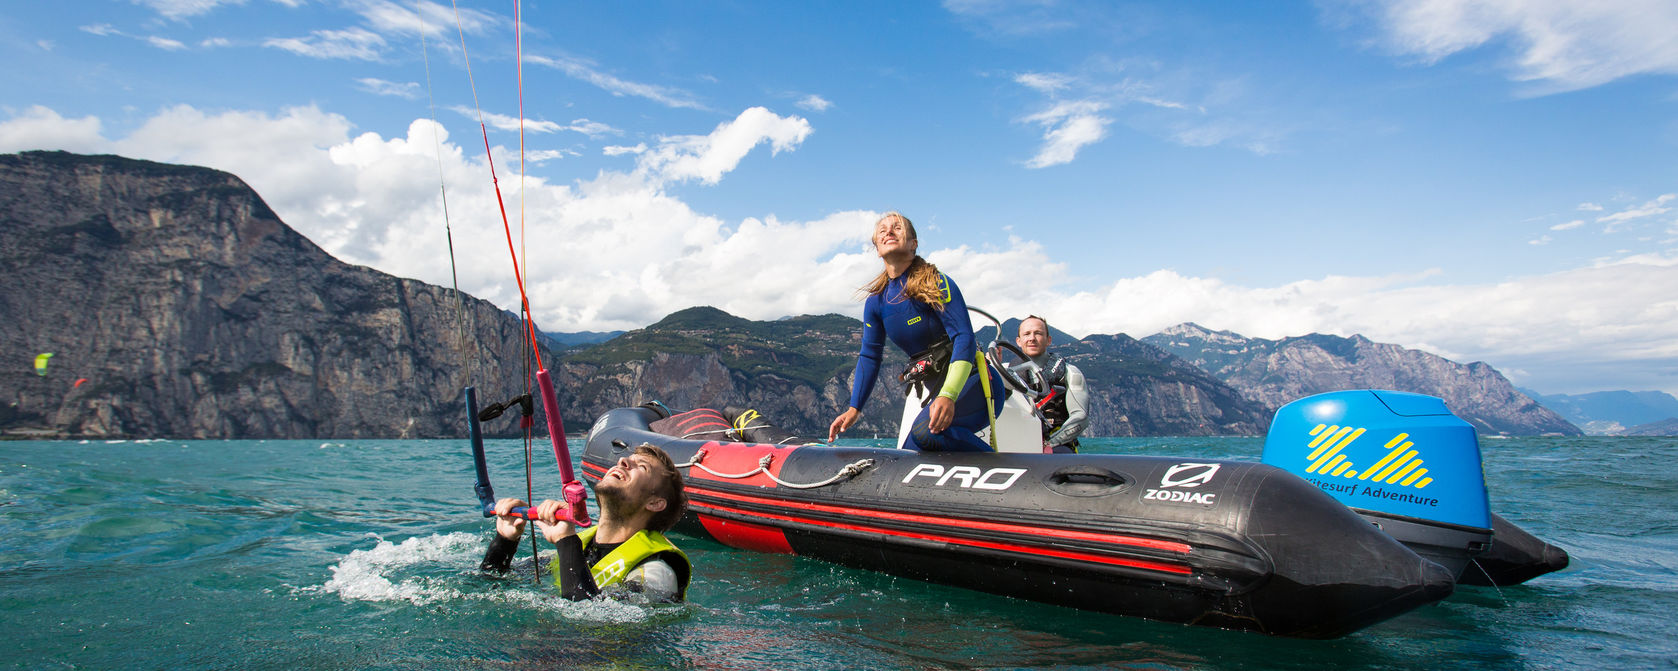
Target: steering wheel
[1010,377]
[1011,374]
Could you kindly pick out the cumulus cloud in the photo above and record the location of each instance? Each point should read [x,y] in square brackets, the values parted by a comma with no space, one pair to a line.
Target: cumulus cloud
[349,44]
[1067,128]
[38,127]
[708,157]
[1556,45]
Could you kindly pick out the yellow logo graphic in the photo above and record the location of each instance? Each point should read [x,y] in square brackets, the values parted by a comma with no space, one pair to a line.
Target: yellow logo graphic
[1400,466]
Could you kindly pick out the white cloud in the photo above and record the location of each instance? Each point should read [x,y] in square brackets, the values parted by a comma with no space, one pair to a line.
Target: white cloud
[45,45]
[1558,45]
[350,44]
[1067,128]
[438,20]
[1540,240]
[814,103]
[181,9]
[41,128]
[505,122]
[101,29]
[165,43]
[215,43]
[708,157]
[545,155]
[619,151]
[583,71]
[375,86]
[1589,207]
[1046,83]
[1569,225]
[1646,210]
[593,129]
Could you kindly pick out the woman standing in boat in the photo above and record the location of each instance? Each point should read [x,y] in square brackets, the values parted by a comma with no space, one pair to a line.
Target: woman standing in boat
[922,312]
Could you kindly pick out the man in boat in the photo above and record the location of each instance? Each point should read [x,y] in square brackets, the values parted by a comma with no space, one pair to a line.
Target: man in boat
[1064,410]
[640,498]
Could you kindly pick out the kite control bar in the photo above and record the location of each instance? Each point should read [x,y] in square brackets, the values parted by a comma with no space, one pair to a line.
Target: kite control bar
[573,493]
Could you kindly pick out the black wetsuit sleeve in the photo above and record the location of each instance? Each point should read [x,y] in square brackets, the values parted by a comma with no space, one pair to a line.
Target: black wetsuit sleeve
[499,557]
[575,581]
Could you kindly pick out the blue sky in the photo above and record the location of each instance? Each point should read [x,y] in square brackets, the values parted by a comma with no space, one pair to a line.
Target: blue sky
[1488,180]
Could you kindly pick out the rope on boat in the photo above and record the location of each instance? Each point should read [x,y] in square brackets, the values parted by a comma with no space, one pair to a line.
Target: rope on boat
[848,471]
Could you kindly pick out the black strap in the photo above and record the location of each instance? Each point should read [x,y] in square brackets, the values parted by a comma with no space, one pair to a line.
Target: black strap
[927,369]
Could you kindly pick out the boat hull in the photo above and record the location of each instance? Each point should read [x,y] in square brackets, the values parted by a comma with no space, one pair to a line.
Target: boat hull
[1235,545]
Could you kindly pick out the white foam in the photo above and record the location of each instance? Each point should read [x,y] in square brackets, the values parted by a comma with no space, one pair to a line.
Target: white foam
[372,575]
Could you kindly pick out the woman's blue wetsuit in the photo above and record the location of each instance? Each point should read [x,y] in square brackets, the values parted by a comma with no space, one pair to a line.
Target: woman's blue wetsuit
[915,326]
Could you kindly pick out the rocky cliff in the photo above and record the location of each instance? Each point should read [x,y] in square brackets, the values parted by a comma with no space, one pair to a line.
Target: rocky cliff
[1276,372]
[192,311]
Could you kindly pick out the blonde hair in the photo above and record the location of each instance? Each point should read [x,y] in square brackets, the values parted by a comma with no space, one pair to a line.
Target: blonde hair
[923,283]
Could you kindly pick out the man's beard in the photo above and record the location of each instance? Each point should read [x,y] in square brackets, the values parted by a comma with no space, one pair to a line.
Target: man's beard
[613,498]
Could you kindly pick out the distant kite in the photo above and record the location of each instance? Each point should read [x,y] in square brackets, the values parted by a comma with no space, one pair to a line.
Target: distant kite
[41,363]
[78,383]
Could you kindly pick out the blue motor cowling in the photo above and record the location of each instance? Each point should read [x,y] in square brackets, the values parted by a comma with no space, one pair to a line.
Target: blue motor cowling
[1401,460]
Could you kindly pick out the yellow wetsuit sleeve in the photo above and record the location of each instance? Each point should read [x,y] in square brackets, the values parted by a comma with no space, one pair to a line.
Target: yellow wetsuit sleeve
[957,377]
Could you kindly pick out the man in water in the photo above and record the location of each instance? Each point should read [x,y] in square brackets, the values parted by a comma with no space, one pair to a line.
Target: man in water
[639,498]
[1064,412]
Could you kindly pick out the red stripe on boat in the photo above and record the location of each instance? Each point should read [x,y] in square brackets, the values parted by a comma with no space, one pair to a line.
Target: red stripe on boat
[1067,534]
[1007,547]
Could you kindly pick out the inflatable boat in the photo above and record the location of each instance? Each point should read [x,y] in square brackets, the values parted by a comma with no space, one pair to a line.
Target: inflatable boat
[1237,545]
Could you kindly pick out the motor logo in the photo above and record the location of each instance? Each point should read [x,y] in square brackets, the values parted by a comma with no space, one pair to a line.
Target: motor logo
[966,477]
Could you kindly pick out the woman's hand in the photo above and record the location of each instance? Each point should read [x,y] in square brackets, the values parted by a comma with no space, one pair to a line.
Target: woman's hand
[842,422]
[510,527]
[549,522]
[940,414]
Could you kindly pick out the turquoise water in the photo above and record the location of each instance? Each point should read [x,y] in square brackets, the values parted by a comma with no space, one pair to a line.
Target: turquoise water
[312,554]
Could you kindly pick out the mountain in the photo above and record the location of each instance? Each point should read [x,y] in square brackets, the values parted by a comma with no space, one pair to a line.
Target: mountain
[1610,412]
[1138,389]
[1276,372]
[1665,427]
[192,311]
[797,372]
[580,337]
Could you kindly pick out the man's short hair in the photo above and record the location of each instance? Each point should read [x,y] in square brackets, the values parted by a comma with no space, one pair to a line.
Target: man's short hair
[1045,323]
[671,489]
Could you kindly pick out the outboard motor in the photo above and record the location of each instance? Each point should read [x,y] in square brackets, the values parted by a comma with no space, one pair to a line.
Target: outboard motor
[1401,460]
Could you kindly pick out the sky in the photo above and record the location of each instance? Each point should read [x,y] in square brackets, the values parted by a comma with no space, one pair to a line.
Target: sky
[1487,180]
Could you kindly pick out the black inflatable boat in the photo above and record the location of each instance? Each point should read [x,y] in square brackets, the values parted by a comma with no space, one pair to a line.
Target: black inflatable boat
[1237,545]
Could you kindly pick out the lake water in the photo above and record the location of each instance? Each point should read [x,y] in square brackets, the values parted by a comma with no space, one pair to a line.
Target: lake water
[363,554]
